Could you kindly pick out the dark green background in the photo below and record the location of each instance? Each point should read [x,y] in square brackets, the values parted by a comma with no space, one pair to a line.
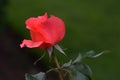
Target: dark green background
[90,25]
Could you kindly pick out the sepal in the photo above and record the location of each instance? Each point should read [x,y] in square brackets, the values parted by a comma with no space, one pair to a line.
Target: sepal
[50,51]
[59,49]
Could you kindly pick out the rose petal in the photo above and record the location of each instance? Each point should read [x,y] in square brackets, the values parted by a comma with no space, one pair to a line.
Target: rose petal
[36,36]
[43,18]
[53,29]
[30,44]
[34,24]
[59,27]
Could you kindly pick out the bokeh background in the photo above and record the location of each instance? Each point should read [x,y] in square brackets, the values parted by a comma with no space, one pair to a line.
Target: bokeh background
[90,25]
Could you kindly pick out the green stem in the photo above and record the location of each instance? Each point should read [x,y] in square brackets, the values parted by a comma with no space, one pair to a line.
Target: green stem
[58,66]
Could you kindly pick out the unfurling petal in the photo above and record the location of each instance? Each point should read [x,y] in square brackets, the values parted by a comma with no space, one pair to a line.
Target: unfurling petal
[30,44]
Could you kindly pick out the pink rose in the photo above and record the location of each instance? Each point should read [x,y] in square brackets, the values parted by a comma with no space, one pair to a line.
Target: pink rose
[45,32]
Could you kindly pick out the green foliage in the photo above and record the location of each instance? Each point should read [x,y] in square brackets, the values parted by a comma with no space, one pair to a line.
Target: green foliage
[29,77]
[77,70]
[72,70]
[78,59]
[38,76]
[93,54]
[80,72]
[67,64]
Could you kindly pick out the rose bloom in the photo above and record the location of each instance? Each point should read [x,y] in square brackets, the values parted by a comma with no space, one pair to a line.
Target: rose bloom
[45,32]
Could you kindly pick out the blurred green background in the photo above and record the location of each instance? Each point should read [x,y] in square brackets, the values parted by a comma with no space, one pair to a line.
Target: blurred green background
[90,25]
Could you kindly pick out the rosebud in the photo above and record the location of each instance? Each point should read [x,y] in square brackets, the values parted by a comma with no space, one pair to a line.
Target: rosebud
[45,32]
